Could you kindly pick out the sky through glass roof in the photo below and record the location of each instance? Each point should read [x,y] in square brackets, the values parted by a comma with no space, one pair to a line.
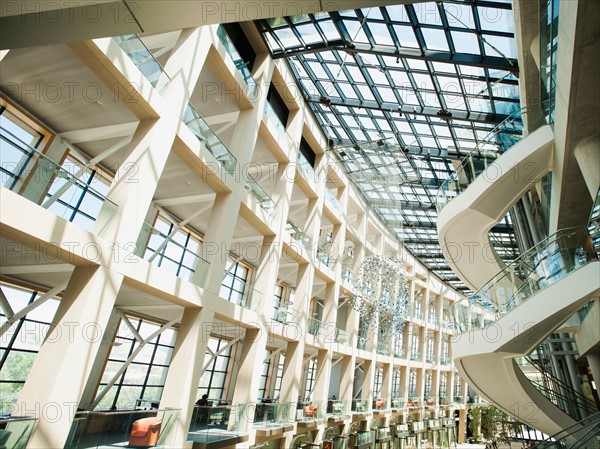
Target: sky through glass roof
[404,93]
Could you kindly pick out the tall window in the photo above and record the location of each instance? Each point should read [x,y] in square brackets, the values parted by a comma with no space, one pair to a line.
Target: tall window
[417,314]
[428,378]
[412,384]
[399,345]
[378,379]
[445,349]
[264,376]
[213,379]
[432,312]
[443,382]
[279,376]
[145,377]
[279,311]
[414,352]
[176,253]
[430,349]
[396,384]
[457,386]
[310,378]
[234,285]
[20,344]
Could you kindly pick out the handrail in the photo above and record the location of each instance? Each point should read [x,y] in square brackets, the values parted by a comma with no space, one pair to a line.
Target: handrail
[577,399]
[578,434]
[543,265]
[499,140]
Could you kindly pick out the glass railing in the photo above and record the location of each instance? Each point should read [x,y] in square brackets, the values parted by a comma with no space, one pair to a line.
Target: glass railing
[297,234]
[204,133]
[430,358]
[499,140]
[399,404]
[15,431]
[382,404]
[143,58]
[314,326]
[284,314]
[333,201]
[431,401]
[360,405]
[311,411]
[445,360]
[173,256]
[273,415]
[238,61]
[38,178]
[415,402]
[594,225]
[383,348]
[336,407]
[549,53]
[541,266]
[347,275]
[583,435]
[325,258]
[306,168]
[219,422]
[400,353]
[278,128]
[260,194]
[382,433]
[364,343]
[341,336]
[100,429]
[415,356]
[243,294]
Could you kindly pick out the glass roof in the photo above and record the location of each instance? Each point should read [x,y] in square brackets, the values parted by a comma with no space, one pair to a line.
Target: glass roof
[404,93]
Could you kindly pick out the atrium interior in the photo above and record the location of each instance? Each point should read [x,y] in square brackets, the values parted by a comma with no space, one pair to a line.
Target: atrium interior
[361,224]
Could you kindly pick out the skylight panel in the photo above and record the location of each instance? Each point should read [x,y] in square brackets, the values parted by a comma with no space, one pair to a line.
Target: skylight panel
[442,67]
[480,105]
[435,39]
[470,70]
[449,84]
[445,143]
[273,45]
[377,76]
[356,74]
[505,107]
[386,94]
[365,91]
[459,15]
[381,34]
[495,19]
[441,130]
[406,36]
[423,81]
[465,42]
[329,30]
[417,64]
[317,69]
[310,87]
[372,13]
[455,102]
[288,38]
[309,33]
[428,142]
[337,73]
[500,46]
[355,31]
[505,90]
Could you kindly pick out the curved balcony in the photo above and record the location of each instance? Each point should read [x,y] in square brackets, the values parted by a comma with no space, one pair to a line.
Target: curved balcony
[516,306]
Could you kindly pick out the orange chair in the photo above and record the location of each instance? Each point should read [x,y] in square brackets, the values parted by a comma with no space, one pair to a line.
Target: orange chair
[379,404]
[310,411]
[144,432]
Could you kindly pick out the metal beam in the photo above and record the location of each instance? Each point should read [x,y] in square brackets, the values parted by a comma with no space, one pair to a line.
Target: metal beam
[491,62]
[426,111]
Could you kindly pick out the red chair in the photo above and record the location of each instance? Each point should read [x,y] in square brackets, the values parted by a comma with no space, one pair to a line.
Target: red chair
[144,432]
[310,411]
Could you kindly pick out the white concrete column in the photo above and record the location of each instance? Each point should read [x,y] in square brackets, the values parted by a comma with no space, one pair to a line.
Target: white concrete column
[217,241]
[97,370]
[368,380]
[183,378]
[136,181]
[321,390]
[59,373]
[587,154]
[386,382]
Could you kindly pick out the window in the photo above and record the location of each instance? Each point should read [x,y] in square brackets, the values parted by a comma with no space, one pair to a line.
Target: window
[175,250]
[280,312]
[428,378]
[414,354]
[412,384]
[310,378]
[213,379]
[145,377]
[241,43]
[279,376]
[396,384]
[457,386]
[278,105]
[430,356]
[264,377]
[432,313]
[417,314]
[307,152]
[234,285]
[22,341]
[443,381]
[378,380]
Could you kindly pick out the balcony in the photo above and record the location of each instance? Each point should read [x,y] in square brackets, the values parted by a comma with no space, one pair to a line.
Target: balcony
[205,134]
[307,170]
[219,423]
[34,176]
[259,193]
[238,61]
[332,200]
[308,412]
[276,127]
[243,294]
[415,356]
[298,235]
[285,314]
[143,58]
[360,406]
[325,258]
[364,344]
[272,415]
[16,431]
[383,348]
